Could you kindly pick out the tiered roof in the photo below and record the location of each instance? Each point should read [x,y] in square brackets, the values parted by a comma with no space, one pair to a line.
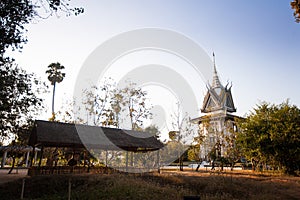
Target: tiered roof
[218,97]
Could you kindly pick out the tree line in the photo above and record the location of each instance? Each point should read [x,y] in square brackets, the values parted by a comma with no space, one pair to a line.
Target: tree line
[268,137]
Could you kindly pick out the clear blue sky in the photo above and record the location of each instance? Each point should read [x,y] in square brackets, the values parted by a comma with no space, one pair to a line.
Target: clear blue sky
[256,42]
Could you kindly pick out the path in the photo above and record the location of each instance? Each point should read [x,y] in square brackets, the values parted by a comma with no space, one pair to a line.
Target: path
[4,177]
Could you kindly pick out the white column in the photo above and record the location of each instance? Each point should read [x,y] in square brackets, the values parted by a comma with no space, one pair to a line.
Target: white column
[106,158]
[4,159]
[35,157]
[27,158]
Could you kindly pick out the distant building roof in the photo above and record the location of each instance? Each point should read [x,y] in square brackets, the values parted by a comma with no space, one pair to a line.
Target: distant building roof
[216,116]
[218,97]
[57,134]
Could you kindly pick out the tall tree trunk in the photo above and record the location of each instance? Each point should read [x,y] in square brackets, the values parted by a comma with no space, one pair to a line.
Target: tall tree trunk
[53,95]
[131,117]
[13,164]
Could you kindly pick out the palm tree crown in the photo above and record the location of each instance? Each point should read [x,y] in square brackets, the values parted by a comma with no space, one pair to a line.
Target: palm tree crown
[54,73]
[55,76]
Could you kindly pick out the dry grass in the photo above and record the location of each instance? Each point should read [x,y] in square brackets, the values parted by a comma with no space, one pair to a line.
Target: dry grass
[168,185]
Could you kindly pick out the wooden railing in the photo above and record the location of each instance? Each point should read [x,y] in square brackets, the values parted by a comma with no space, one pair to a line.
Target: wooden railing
[44,170]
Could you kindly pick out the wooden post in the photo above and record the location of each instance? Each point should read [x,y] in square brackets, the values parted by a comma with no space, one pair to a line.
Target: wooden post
[126,161]
[106,158]
[41,156]
[23,186]
[158,164]
[32,156]
[131,158]
[69,189]
[35,157]
[27,158]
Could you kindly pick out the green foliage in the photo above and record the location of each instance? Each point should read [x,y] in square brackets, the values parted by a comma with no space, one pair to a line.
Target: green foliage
[147,160]
[232,149]
[18,96]
[219,141]
[172,135]
[193,153]
[153,130]
[183,129]
[109,106]
[54,73]
[68,112]
[295,4]
[134,98]
[101,103]
[19,100]
[270,134]
[15,14]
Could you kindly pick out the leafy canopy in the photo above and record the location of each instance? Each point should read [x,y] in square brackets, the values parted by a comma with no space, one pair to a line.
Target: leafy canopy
[271,134]
[54,73]
[19,100]
[15,14]
[295,4]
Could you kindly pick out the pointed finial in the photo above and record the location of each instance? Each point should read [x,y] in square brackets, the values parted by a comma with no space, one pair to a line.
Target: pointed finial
[214,60]
[216,81]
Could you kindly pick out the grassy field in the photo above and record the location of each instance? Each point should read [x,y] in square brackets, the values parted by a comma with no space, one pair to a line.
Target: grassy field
[168,185]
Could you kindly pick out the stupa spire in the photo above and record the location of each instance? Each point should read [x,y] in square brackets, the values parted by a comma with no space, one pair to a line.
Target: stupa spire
[216,81]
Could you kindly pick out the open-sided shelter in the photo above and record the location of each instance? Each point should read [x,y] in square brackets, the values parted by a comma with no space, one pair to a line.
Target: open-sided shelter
[57,134]
[78,136]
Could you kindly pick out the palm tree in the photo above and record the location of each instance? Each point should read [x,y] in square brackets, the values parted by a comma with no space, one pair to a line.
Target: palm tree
[55,76]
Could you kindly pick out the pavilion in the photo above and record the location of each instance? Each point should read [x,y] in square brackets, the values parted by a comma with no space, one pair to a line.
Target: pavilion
[25,150]
[90,138]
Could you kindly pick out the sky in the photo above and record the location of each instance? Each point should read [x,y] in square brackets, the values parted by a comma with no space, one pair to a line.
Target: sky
[256,44]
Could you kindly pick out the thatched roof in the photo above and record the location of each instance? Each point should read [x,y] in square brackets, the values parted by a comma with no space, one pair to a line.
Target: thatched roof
[21,149]
[57,134]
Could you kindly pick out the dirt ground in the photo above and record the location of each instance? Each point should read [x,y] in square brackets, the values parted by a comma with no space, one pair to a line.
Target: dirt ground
[239,184]
[16,174]
[273,177]
[289,183]
[22,173]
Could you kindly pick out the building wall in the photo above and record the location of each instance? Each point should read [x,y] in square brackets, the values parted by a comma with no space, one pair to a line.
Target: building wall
[217,131]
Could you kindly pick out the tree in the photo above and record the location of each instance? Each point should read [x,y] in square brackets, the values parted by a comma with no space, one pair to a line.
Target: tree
[295,4]
[216,138]
[19,101]
[232,151]
[110,106]
[55,76]
[193,153]
[68,112]
[134,98]
[148,160]
[100,104]
[270,135]
[182,131]
[254,136]
[15,14]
